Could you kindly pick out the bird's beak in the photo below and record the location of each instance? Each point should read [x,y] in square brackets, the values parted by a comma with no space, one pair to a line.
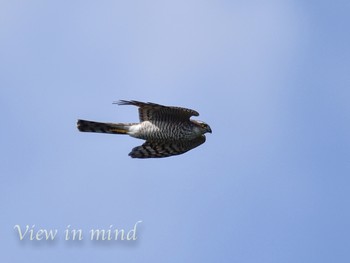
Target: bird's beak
[209,129]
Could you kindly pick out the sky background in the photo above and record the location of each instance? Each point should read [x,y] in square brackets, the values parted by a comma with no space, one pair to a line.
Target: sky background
[271,183]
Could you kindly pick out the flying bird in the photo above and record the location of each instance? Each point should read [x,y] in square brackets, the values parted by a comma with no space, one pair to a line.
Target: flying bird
[167,130]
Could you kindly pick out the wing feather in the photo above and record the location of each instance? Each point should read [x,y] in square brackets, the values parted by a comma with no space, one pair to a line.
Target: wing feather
[149,111]
[165,149]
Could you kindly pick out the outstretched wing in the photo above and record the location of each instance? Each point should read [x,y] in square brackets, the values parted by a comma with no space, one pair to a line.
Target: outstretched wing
[154,112]
[165,149]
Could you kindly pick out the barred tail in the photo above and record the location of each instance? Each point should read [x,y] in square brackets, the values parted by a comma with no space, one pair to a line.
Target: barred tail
[92,126]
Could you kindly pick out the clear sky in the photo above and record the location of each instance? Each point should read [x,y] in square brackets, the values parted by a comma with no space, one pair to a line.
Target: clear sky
[271,183]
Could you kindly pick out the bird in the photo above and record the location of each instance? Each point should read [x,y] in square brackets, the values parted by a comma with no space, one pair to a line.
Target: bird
[167,130]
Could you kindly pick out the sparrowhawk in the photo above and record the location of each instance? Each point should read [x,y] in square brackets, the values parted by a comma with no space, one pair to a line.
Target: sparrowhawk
[167,130]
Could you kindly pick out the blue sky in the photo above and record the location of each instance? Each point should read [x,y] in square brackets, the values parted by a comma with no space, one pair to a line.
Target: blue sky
[271,184]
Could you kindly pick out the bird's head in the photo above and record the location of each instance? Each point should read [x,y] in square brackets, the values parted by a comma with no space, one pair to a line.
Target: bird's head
[204,128]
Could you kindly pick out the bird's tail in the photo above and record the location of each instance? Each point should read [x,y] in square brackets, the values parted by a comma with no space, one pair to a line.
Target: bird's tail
[92,126]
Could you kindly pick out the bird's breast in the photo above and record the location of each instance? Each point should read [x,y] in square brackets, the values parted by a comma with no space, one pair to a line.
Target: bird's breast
[163,130]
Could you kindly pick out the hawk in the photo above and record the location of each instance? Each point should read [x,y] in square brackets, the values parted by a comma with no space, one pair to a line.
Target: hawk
[167,130]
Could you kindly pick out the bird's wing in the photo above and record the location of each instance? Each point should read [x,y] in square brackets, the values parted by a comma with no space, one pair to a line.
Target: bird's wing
[165,149]
[152,112]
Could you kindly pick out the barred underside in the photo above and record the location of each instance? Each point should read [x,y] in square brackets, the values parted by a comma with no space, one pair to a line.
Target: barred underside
[165,131]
